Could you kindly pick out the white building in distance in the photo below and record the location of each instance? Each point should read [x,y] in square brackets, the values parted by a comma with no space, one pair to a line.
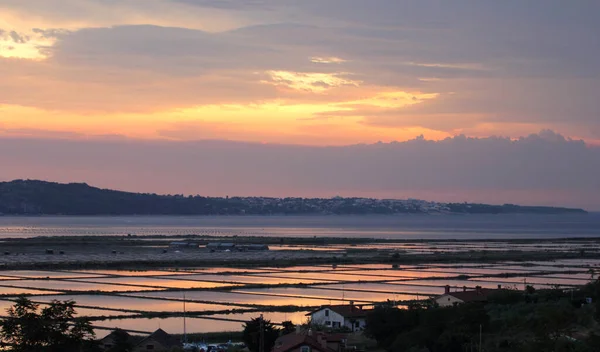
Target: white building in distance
[448,299]
[350,316]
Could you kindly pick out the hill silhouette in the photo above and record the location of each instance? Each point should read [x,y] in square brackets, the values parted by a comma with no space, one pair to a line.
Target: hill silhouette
[31,197]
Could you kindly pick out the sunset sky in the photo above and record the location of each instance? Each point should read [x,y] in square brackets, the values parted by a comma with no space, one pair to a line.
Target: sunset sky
[310,73]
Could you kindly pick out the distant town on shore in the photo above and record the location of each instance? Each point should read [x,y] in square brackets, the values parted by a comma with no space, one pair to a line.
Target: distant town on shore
[32,197]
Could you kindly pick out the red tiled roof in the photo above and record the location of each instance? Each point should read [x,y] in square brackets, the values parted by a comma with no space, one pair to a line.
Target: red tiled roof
[479,295]
[347,311]
[335,337]
[115,334]
[291,341]
[163,338]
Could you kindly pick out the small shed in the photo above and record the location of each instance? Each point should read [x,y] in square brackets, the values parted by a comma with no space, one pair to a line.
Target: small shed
[183,244]
[252,247]
[220,246]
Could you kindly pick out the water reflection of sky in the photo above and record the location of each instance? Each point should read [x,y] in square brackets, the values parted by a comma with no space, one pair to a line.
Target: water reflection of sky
[164,290]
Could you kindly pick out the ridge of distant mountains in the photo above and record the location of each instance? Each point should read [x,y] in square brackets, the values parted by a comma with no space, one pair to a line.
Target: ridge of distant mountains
[30,197]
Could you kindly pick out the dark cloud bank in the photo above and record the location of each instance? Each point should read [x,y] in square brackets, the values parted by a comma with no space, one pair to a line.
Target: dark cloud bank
[539,169]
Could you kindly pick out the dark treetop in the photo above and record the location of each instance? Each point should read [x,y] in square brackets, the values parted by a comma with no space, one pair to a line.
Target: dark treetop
[39,197]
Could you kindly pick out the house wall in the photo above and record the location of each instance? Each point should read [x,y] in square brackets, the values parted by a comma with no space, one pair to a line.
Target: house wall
[320,318]
[337,321]
[351,324]
[447,300]
[143,346]
[106,343]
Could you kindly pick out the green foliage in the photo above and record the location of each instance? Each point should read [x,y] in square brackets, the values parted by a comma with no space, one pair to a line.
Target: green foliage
[506,297]
[511,321]
[251,334]
[53,329]
[385,322]
[434,329]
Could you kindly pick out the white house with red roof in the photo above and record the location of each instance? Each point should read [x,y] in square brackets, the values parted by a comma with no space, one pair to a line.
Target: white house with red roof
[449,299]
[350,316]
[307,341]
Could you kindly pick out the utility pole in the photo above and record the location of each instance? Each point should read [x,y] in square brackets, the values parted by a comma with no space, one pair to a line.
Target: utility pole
[480,331]
[184,322]
[261,344]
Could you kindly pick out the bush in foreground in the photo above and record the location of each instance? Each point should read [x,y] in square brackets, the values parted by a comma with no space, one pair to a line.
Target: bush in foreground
[51,329]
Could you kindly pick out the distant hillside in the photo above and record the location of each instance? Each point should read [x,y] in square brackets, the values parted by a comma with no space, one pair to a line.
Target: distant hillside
[39,197]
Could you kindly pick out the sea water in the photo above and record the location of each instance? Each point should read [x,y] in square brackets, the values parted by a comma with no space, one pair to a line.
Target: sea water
[401,227]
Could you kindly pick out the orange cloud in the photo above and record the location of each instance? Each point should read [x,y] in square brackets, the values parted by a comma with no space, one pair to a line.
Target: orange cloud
[311,81]
[270,122]
[327,60]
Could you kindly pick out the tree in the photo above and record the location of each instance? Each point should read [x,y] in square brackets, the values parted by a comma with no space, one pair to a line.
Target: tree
[436,329]
[53,329]
[553,321]
[385,323]
[288,328]
[252,334]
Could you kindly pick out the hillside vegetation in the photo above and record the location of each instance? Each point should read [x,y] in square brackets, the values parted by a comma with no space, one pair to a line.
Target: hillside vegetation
[26,197]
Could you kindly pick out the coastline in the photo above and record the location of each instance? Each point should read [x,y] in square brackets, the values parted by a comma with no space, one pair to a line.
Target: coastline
[140,252]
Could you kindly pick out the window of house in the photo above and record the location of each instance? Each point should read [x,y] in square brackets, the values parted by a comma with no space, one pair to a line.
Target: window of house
[357,324]
[327,322]
[305,349]
[326,312]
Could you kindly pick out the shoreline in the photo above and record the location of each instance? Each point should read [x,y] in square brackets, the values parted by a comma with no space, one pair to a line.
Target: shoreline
[580,212]
[144,252]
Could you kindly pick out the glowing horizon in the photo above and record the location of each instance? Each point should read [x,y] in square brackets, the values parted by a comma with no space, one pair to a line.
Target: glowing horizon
[327,85]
